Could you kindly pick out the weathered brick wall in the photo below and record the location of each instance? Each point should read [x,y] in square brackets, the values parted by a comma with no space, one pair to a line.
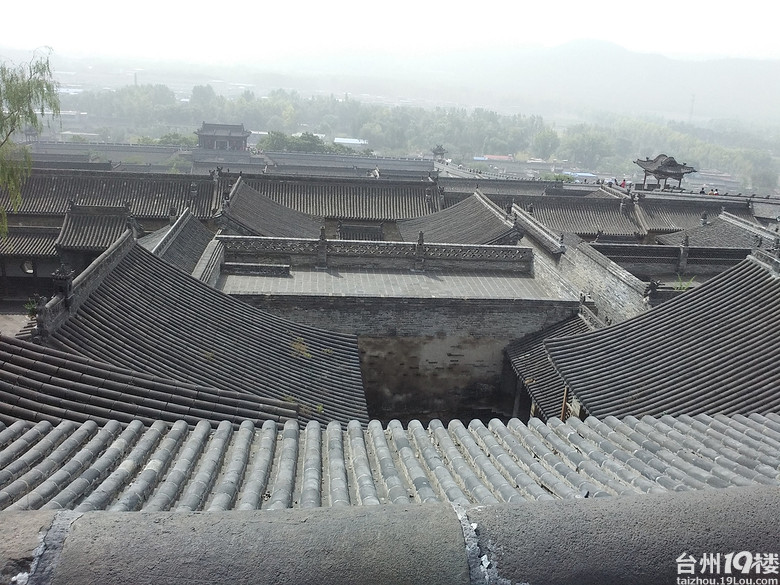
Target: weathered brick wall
[617,294]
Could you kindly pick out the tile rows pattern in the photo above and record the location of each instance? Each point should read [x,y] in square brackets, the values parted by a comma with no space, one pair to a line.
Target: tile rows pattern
[48,192]
[472,221]
[261,216]
[37,383]
[176,327]
[663,215]
[89,466]
[533,368]
[29,242]
[350,199]
[720,233]
[84,230]
[712,349]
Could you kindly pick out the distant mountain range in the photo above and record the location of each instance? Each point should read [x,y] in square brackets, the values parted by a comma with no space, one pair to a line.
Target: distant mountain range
[571,81]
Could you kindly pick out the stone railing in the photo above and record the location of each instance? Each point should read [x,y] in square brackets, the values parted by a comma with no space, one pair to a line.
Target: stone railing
[391,255]
[766,258]
[256,245]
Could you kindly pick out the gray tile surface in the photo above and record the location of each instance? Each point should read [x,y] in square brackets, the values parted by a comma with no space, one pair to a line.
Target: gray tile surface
[401,284]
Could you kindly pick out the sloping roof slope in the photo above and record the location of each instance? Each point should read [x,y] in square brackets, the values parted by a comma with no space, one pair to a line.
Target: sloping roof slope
[181,244]
[92,228]
[262,216]
[472,221]
[31,242]
[148,316]
[670,215]
[587,217]
[720,233]
[87,466]
[713,349]
[49,192]
[353,199]
[38,383]
[532,365]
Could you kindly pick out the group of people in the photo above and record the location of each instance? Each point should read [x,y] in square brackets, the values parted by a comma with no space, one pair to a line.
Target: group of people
[711,192]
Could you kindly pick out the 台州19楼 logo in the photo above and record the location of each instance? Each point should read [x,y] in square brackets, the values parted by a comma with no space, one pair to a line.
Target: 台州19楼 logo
[733,568]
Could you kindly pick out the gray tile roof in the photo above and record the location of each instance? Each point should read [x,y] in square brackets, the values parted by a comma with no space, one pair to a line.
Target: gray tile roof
[181,244]
[147,315]
[92,228]
[472,221]
[493,186]
[48,192]
[712,349]
[259,215]
[38,383]
[673,215]
[30,242]
[532,365]
[586,217]
[89,466]
[720,232]
[349,199]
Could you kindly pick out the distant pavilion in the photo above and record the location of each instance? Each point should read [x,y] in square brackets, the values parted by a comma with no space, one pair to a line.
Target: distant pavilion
[664,168]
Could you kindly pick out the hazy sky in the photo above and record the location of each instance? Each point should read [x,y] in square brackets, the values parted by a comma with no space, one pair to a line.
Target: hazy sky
[264,30]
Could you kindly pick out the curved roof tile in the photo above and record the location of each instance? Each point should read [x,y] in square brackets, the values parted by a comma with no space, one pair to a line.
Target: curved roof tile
[54,385]
[587,217]
[722,233]
[262,216]
[667,215]
[356,199]
[49,192]
[471,221]
[181,244]
[713,349]
[532,366]
[92,228]
[29,241]
[147,315]
[89,466]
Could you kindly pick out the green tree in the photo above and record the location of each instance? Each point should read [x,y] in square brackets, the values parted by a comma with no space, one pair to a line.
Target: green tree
[176,139]
[586,145]
[545,143]
[28,94]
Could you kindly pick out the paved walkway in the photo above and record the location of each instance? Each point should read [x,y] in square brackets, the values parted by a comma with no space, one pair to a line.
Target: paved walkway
[12,317]
[401,284]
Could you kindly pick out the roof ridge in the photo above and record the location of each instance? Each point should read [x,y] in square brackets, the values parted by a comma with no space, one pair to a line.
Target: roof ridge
[61,305]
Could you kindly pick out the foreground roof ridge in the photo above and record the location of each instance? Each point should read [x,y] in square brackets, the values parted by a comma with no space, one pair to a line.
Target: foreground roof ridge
[183,467]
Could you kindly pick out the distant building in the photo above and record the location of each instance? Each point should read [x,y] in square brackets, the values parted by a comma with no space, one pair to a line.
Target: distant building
[663,168]
[350,141]
[223,137]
